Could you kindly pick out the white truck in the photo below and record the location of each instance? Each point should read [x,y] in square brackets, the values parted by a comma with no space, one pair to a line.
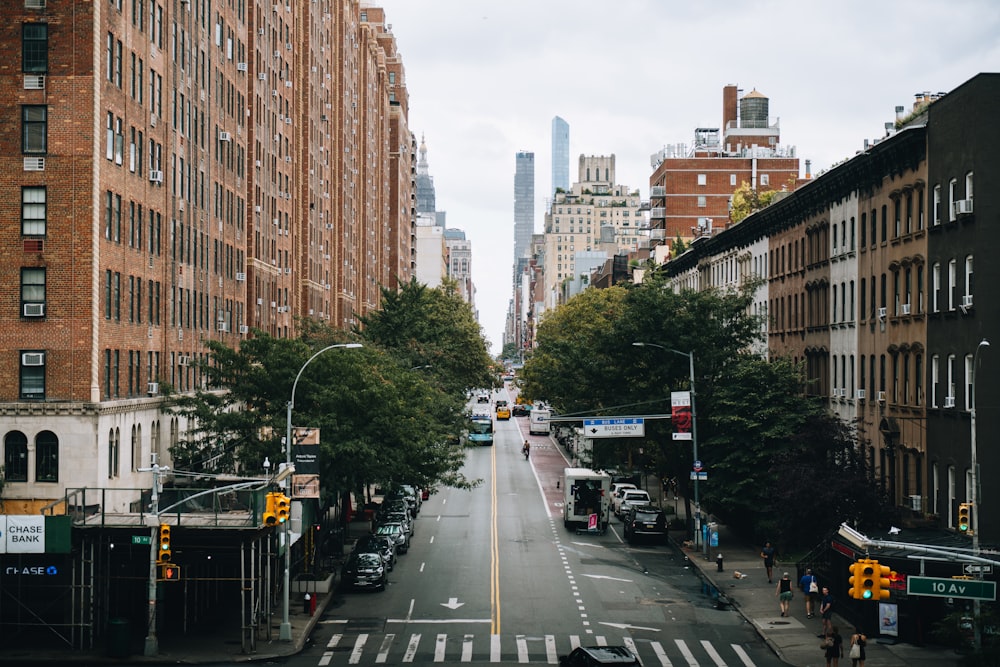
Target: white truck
[539,424]
[586,492]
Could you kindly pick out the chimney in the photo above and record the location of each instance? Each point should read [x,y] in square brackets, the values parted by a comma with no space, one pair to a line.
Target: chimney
[809,165]
[729,102]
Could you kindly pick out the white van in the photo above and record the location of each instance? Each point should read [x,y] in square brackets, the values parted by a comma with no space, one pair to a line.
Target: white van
[539,424]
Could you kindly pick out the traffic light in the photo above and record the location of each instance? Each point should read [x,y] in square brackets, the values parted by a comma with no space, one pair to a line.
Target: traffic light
[269,517]
[163,554]
[282,507]
[862,580]
[965,518]
[883,583]
[170,572]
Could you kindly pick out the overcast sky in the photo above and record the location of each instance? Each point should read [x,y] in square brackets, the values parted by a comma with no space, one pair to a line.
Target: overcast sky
[629,76]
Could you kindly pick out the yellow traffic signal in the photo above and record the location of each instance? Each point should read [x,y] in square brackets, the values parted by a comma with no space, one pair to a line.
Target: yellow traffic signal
[163,554]
[862,581]
[880,591]
[170,572]
[965,518]
[282,507]
[269,518]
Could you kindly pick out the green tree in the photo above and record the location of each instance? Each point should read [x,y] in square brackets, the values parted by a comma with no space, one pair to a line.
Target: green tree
[747,200]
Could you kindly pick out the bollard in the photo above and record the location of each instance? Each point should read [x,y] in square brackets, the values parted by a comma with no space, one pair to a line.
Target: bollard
[718,562]
[312,605]
[306,603]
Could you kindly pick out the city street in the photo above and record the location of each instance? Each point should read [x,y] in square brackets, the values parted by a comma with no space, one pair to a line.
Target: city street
[493,576]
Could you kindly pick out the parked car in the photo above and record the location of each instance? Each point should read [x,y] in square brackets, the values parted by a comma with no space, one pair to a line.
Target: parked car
[482,397]
[618,489]
[398,534]
[380,544]
[402,518]
[409,497]
[632,497]
[412,491]
[593,656]
[645,521]
[364,570]
[521,409]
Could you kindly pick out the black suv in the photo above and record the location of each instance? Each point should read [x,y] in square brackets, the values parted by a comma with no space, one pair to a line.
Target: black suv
[594,656]
[645,521]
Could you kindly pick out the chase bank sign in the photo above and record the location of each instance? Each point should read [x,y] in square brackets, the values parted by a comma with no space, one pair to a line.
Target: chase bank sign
[22,534]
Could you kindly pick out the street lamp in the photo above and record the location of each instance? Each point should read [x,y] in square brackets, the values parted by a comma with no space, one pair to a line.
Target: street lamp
[694,432]
[285,631]
[974,481]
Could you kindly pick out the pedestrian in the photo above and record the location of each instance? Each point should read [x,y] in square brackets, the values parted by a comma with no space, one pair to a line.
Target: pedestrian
[833,645]
[767,553]
[857,654]
[826,611]
[784,592]
[810,589]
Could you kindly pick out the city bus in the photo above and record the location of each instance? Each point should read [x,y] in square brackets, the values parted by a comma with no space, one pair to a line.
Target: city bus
[481,430]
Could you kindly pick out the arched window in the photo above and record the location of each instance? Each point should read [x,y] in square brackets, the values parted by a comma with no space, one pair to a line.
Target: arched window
[15,457]
[46,457]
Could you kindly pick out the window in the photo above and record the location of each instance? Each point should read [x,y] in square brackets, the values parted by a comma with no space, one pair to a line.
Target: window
[765,179]
[937,205]
[34,128]
[33,211]
[968,381]
[702,179]
[15,457]
[32,287]
[32,374]
[968,275]
[46,457]
[936,288]
[968,186]
[952,193]
[35,47]
[702,201]
[114,447]
[732,179]
[952,280]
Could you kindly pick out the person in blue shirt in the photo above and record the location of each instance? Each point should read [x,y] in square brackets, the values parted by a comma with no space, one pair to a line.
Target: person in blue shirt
[810,589]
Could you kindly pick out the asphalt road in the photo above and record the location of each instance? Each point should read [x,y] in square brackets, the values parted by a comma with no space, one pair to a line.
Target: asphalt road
[492,576]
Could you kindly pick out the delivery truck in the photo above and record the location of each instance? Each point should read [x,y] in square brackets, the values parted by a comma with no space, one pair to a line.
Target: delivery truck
[539,424]
[586,492]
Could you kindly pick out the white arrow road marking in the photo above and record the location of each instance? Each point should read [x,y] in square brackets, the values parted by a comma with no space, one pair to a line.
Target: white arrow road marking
[588,544]
[604,576]
[452,603]
[626,626]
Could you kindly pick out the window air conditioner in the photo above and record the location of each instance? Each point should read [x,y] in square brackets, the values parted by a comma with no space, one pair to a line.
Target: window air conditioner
[34,82]
[32,358]
[906,309]
[241,67]
[915,503]
[33,310]
[962,207]
[860,394]
[225,136]
[881,397]
[288,272]
[34,164]
[224,327]
[34,4]
[152,388]
[241,277]
[155,176]
[183,360]
[881,313]
[949,401]
[262,76]
[967,301]
[244,329]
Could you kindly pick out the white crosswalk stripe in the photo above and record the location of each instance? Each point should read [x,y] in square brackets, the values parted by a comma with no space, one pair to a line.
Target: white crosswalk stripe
[365,648]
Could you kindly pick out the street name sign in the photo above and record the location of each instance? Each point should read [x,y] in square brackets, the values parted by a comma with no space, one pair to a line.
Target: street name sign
[968,589]
[142,539]
[620,427]
[971,568]
[701,475]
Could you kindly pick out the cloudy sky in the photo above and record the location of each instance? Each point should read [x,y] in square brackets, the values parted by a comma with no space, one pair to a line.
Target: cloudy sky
[630,76]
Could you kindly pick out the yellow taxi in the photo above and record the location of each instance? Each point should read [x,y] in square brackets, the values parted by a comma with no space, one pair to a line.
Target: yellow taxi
[503,410]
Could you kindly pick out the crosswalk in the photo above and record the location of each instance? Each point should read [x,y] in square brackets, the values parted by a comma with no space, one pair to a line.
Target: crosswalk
[390,648]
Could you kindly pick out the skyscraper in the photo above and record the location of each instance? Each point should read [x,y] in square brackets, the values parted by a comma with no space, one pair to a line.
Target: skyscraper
[425,183]
[524,203]
[560,155]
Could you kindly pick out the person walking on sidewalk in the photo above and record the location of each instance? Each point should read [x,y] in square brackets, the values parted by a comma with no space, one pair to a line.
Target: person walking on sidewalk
[767,553]
[826,611]
[857,654]
[810,589]
[834,645]
[784,592]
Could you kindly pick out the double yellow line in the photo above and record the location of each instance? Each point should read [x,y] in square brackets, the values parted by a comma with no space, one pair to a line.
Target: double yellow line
[494,549]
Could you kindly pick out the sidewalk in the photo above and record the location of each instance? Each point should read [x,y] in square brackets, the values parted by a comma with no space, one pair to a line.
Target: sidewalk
[793,638]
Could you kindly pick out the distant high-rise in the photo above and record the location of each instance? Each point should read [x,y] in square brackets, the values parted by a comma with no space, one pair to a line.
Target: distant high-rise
[425,183]
[560,155]
[524,203]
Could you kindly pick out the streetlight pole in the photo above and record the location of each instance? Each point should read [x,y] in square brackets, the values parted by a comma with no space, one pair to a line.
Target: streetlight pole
[694,433]
[974,481]
[285,631]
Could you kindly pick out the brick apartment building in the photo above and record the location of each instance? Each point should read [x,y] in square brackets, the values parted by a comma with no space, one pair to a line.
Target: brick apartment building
[178,171]
[691,187]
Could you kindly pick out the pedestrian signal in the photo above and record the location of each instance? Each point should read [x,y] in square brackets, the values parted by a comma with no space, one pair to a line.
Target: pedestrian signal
[269,518]
[170,572]
[163,554]
[282,507]
[965,518]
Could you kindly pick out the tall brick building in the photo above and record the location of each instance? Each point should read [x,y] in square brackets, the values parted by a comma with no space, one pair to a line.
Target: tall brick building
[178,171]
[691,186]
